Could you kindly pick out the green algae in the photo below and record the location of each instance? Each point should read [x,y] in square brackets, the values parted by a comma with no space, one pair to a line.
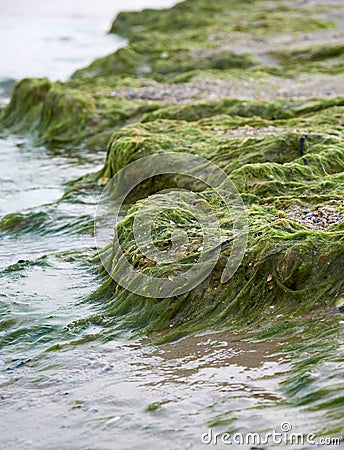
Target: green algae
[263,166]
[25,108]
[131,62]
[295,273]
[22,265]
[276,110]
[55,114]
[313,53]
[202,14]
[65,113]
[290,161]
[161,44]
[71,112]
[153,407]
[316,59]
[241,108]
[288,268]
[166,46]
[279,154]
[313,350]
[44,223]
[313,356]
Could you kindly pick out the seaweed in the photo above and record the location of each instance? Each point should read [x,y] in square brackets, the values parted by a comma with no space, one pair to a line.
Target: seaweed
[281,154]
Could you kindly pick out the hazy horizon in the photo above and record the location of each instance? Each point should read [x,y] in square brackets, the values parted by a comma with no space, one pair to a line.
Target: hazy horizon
[53,39]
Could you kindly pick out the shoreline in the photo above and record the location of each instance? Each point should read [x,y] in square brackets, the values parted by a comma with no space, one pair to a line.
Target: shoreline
[93,362]
[167,108]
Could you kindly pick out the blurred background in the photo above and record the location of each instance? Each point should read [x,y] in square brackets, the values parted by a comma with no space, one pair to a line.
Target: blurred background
[51,38]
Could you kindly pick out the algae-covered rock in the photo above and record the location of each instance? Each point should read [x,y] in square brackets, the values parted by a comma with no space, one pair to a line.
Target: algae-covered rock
[65,113]
[219,53]
[57,113]
[53,112]
[199,36]
[25,109]
[253,87]
[287,270]
[318,58]
[295,257]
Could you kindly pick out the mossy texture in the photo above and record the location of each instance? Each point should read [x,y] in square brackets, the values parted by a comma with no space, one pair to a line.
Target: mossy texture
[25,109]
[288,266]
[193,41]
[161,44]
[54,113]
[73,112]
[281,154]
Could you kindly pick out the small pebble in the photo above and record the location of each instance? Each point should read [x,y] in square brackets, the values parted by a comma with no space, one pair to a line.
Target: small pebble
[216,89]
[320,218]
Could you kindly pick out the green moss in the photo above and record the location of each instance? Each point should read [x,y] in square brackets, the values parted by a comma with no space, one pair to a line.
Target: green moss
[134,61]
[25,109]
[294,157]
[280,154]
[53,112]
[286,158]
[310,155]
[74,112]
[320,58]
[161,43]
[313,53]
[65,114]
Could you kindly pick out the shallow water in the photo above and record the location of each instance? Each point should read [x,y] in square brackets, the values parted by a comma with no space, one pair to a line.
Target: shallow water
[67,383]
[53,39]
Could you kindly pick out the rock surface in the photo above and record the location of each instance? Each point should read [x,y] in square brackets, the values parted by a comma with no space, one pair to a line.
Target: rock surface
[254,87]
